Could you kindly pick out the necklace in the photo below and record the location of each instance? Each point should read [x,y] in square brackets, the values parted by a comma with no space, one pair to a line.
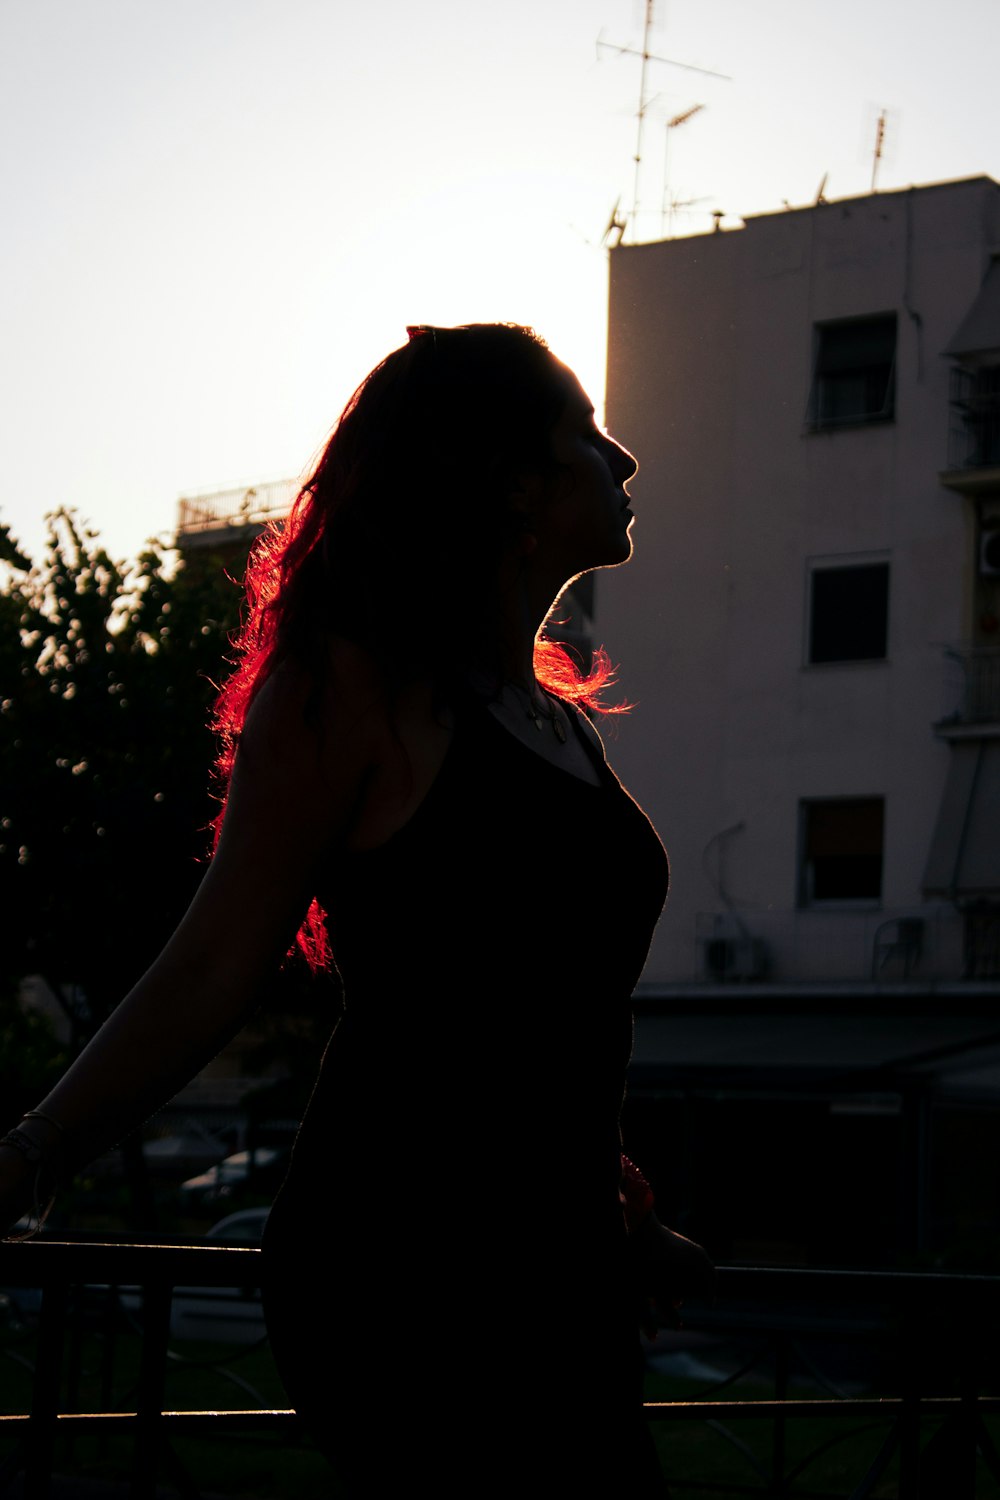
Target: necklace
[539,715]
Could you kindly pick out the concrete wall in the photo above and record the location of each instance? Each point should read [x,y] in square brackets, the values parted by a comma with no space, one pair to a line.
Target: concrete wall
[711,350]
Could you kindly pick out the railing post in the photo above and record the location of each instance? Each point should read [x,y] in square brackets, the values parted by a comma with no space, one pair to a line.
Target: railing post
[947,1464]
[152,1381]
[915,1148]
[781,1394]
[109,1346]
[45,1392]
[909,1418]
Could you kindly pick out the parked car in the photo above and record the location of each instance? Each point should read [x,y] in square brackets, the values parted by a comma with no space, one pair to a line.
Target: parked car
[178,1155]
[231,1315]
[214,1314]
[263,1167]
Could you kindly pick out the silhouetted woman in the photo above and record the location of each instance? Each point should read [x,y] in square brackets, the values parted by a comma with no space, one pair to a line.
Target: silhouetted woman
[458,1262]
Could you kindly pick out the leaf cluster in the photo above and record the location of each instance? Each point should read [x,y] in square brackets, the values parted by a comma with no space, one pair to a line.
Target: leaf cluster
[107,675]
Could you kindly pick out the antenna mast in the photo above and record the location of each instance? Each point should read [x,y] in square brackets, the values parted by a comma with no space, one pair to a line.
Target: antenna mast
[668,202]
[879,142]
[642,110]
[648,57]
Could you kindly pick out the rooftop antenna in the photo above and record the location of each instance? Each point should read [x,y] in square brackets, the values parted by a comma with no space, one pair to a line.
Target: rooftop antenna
[647,58]
[679,205]
[821,190]
[667,218]
[879,143]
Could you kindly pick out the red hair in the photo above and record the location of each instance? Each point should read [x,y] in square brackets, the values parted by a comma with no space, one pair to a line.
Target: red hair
[406,505]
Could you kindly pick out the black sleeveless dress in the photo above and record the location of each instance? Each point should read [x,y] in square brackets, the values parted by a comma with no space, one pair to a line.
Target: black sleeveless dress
[448,1288]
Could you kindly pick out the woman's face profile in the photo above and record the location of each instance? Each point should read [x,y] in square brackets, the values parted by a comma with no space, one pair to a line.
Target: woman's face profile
[586,519]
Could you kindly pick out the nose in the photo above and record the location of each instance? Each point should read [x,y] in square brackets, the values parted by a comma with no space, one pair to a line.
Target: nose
[623,465]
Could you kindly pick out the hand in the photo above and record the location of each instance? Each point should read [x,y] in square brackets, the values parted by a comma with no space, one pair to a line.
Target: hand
[32,1158]
[668,1268]
[17,1188]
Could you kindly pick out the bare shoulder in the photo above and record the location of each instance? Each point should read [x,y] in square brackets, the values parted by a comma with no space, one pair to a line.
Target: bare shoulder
[299,717]
[345,756]
[308,749]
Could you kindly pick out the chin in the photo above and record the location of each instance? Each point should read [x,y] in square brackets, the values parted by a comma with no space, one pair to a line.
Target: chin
[612,560]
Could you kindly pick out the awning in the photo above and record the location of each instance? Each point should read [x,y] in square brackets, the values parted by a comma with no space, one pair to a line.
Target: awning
[979,332]
[964,859]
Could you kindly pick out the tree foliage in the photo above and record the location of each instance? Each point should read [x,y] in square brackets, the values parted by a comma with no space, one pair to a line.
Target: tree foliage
[106,681]
[31,1059]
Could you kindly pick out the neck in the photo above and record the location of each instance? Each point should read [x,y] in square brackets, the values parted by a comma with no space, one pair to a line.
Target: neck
[525,603]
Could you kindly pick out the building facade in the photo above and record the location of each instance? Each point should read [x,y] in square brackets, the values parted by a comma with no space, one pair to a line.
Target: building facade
[809,627]
[809,634]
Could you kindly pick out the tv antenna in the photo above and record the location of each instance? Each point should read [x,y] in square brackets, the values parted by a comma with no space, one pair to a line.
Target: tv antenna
[879,144]
[644,102]
[668,203]
[679,206]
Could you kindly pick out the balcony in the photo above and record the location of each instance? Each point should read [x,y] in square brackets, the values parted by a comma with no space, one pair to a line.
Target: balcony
[979,703]
[794,1382]
[865,946]
[223,515]
[974,431]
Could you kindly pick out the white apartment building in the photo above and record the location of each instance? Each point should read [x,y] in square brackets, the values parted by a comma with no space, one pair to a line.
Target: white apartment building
[810,627]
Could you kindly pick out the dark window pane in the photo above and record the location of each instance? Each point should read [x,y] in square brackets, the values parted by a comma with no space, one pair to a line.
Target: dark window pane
[849,614]
[855,363]
[842,850]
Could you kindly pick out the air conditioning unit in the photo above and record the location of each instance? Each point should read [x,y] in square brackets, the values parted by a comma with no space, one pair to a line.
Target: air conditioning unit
[733,958]
[989,552]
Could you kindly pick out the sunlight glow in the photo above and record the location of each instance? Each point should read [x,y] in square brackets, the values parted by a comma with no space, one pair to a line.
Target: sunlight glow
[221,216]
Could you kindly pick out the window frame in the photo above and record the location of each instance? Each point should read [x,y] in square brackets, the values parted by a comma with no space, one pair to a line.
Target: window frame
[843,562]
[805,899]
[820,417]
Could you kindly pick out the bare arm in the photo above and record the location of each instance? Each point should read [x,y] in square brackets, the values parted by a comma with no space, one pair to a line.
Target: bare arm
[294,793]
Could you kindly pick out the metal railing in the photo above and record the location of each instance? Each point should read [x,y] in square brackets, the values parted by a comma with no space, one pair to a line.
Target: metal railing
[930,1336]
[57,1267]
[253,505]
[980,702]
[937,1332]
[974,425]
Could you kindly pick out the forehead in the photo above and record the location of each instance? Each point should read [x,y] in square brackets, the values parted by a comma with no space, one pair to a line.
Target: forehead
[578,403]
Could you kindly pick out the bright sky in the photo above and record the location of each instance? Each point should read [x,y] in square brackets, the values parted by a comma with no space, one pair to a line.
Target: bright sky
[219,214]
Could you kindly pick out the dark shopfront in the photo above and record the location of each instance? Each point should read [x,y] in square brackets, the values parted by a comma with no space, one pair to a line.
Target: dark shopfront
[850,1128]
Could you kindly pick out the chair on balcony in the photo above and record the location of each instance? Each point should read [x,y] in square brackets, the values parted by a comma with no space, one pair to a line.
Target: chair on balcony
[899,937]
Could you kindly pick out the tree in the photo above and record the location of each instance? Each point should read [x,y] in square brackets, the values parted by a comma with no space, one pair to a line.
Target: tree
[107,677]
[106,682]
[31,1059]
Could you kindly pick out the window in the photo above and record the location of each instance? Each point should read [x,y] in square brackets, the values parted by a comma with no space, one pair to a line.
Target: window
[841,850]
[849,612]
[854,379]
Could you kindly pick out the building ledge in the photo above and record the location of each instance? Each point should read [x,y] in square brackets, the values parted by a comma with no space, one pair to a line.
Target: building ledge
[806,995]
[965,729]
[984,480]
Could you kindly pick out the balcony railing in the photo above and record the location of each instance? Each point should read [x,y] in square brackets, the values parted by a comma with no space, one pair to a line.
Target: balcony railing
[974,428]
[980,701]
[923,1357]
[226,509]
